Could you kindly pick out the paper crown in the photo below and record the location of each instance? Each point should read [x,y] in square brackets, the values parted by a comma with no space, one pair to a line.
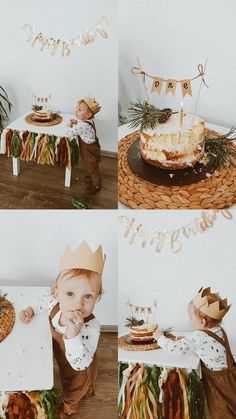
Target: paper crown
[210,309]
[92,104]
[83,258]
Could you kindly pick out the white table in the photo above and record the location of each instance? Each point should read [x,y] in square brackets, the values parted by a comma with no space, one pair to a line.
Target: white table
[58,130]
[26,360]
[124,130]
[161,358]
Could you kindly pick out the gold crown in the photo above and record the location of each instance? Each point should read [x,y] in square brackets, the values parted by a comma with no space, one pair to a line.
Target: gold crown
[210,309]
[83,258]
[92,104]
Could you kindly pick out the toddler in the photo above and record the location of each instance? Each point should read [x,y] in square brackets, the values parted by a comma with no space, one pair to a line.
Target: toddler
[75,330]
[83,128]
[209,341]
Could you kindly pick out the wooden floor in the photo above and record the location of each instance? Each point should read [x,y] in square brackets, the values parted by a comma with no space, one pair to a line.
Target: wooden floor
[42,187]
[104,404]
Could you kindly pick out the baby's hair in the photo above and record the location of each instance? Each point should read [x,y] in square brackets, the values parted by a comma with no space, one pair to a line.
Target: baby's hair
[211,298]
[75,272]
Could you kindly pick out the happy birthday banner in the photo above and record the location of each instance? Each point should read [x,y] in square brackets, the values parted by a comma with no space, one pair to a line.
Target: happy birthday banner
[173,238]
[65,45]
[171,84]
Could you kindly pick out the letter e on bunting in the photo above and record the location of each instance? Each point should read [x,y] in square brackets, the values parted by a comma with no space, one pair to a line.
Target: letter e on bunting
[171,86]
[157,85]
[186,87]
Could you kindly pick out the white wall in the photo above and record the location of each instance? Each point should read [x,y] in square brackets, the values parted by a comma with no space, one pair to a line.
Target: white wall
[207,259]
[31,243]
[171,38]
[90,70]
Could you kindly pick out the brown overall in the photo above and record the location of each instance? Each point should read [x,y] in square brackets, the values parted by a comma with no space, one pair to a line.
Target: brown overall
[91,156]
[76,384]
[220,386]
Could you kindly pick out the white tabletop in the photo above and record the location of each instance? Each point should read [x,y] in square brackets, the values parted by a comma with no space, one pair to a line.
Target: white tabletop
[26,360]
[159,357]
[59,130]
[124,130]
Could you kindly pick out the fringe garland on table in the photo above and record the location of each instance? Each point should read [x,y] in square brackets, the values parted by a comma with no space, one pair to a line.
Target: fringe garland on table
[42,148]
[150,392]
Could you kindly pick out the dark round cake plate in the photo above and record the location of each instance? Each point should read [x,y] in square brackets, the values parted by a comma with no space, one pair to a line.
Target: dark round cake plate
[55,119]
[129,341]
[127,344]
[34,118]
[165,177]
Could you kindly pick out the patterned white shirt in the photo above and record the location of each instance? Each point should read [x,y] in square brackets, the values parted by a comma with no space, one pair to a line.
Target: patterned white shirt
[84,130]
[210,351]
[80,350]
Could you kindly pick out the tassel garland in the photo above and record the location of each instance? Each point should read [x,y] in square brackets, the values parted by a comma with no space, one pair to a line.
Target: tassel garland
[41,148]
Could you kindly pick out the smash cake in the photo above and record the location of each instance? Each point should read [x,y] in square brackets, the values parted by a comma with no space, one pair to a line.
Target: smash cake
[143,333]
[170,146]
[142,323]
[42,115]
[42,109]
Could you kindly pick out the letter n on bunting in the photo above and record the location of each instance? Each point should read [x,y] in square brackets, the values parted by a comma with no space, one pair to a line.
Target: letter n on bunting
[171,86]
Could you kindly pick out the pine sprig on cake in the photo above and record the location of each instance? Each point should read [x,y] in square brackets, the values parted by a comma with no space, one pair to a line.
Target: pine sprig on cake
[168,332]
[3,302]
[221,150]
[144,115]
[36,108]
[132,322]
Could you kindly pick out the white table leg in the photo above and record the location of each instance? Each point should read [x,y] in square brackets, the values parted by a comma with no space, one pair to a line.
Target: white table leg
[16,166]
[67,177]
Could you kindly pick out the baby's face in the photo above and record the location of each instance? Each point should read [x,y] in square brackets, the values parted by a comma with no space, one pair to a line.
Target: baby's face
[78,293]
[195,321]
[82,111]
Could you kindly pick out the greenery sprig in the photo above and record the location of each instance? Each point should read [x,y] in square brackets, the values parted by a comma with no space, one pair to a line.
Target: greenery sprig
[144,115]
[132,322]
[221,150]
[5,107]
[3,302]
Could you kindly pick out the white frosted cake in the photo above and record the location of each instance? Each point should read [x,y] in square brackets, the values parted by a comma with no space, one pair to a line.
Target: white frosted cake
[170,147]
[43,115]
[142,333]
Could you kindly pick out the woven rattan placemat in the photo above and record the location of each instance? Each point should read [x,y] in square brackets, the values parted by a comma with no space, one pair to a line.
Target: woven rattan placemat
[215,192]
[123,344]
[7,318]
[30,120]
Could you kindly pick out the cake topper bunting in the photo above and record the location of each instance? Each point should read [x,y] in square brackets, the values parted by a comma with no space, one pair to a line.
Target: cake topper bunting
[171,84]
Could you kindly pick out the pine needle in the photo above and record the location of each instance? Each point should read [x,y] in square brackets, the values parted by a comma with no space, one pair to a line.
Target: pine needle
[221,150]
[132,322]
[143,115]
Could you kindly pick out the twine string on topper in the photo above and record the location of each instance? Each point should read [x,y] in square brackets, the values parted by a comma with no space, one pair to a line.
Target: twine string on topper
[202,71]
[54,44]
[142,74]
[173,238]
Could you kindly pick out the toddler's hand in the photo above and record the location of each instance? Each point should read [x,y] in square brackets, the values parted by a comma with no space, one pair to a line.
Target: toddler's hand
[26,315]
[178,337]
[72,122]
[75,323]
